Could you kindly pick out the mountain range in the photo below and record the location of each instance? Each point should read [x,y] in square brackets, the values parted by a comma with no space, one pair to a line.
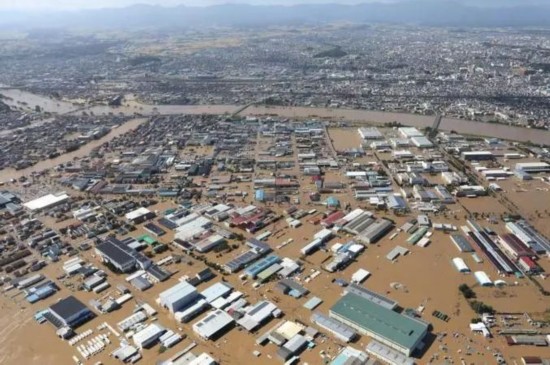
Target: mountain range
[466,13]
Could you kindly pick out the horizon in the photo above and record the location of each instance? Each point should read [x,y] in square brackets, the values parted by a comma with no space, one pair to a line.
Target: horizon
[75,5]
[62,5]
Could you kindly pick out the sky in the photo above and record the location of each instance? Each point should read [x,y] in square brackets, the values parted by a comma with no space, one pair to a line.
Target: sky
[87,4]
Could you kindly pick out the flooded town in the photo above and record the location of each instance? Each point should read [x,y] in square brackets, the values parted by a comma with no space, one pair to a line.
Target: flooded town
[327,192]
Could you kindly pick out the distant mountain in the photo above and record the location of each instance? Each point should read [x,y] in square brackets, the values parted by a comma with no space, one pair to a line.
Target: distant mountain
[430,12]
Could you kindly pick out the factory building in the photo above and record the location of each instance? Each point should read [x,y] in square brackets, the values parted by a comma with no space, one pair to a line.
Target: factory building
[397,331]
[69,312]
[421,142]
[46,202]
[513,245]
[375,231]
[213,324]
[409,132]
[117,254]
[477,155]
[371,133]
[178,297]
[533,167]
[148,336]
[338,329]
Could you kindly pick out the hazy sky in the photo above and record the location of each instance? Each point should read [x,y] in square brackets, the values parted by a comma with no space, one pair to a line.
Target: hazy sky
[79,4]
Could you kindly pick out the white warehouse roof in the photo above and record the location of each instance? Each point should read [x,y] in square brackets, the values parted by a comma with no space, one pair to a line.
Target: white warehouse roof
[482,278]
[460,265]
[213,323]
[46,201]
[134,214]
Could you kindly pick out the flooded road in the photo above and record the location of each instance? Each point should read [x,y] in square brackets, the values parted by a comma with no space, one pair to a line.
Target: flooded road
[83,151]
[132,107]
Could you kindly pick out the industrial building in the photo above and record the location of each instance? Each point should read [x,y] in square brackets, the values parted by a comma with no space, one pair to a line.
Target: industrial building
[375,231]
[292,347]
[69,312]
[460,265]
[421,142]
[409,132]
[46,202]
[461,243]
[371,133]
[533,167]
[258,314]
[397,331]
[178,297]
[148,336]
[529,236]
[477,155]
[482,278]
[336,328]
[371,296]
[213,324]
[139,215]
[513,245]
[117,254]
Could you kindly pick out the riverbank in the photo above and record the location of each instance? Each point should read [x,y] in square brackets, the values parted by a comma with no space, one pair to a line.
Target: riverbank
[133,108]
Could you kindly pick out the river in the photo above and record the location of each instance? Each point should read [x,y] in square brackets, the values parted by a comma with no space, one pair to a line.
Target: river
[132,107]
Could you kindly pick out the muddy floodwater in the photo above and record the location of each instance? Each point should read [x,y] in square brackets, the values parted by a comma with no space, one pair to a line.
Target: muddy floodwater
[27,100]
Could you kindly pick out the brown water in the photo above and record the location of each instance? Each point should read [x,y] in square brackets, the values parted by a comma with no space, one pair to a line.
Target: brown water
[461,126]
[83,151]
[420,121]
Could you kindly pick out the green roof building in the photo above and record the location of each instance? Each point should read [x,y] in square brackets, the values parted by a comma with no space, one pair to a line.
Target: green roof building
[398,331]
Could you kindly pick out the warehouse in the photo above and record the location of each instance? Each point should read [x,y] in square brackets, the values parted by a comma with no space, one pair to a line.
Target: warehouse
[533,167]
[139,215]
[482,278]
[217,290]
[192,311]
[46,201]
[409,132]
[402,155]
[375,231]
[528,266]
[359,276]
[131,321]
[253,270]
[292,288]
[387,354]
[477,155]
[460,265]
[421,142]
[31,280]
[529,236]
[117,254]
[338,329]
[213,324]
[461,243]
[148,336]
[351,356]
[208,243]
[69,312]
[511,243]
[370,133]
[292,347]
[371,296]
[178,296]
[258,314]
[399,332]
